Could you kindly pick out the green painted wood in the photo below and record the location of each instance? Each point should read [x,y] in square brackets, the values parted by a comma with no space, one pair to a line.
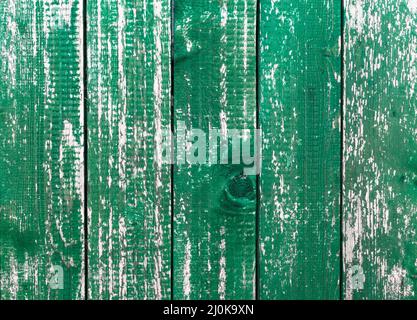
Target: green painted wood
[41,147]
[299,75]
[129,189]
[380,197]
[215,87]
[129,199]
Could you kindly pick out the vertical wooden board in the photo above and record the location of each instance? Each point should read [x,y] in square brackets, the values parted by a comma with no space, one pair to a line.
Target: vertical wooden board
[129,190]
[300,90]
[215,87]
[380,196]
[41,147]
[214,81]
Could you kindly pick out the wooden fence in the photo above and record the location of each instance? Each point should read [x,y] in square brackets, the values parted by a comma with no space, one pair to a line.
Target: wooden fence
[88,212]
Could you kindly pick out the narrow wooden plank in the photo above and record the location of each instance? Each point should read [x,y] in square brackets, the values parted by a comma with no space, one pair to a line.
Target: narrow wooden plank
[214,82]
[41,147]
[129,189]
[300,89]
[380,244]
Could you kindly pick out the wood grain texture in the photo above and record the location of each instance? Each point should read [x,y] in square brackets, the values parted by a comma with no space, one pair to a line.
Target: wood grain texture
[213,252]
[129,188]
[380,157]
[215,87]
[300,90]
[41,147]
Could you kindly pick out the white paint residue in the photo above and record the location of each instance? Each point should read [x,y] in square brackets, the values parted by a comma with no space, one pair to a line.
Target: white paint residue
[157,90]
[352,245]
[223,84]
[110,271]
[69,142]
[208,251]
[14,278]
[398,286]
[157,286]
[8,49]
[186,285]
[100,255]
[99,74]
[356,16]
[222,275]
[223,14]
[34,27]
[65,11]
[189,45]
[245,37]
[122,260]
[121,26]
[223,123]
[158,242]
[412,5]
[58,14]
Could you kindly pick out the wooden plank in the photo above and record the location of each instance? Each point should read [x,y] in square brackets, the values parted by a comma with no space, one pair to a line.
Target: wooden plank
[380,246]
[215,87]
[41,143]
[299,75]
[129,189]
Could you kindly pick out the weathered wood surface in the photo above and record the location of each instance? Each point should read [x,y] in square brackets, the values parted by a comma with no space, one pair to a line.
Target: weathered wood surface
[129,189]
[41,147]
[300,75]
[214,224]
[214,87]
[380,158]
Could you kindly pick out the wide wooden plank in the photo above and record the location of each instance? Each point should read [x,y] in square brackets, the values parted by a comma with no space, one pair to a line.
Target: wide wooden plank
[41,147]
[300,90]
[215,87]
[380,199]
[129,189]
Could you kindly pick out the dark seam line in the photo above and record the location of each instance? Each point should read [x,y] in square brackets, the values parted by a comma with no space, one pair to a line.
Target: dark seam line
[258,194]
[342,102]
[85,129]
[172,147]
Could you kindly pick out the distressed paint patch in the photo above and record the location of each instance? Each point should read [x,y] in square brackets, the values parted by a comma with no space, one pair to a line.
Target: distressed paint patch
[215,87]
[299,72]
[129,91]
[41,207]
[412,5]
[379,143]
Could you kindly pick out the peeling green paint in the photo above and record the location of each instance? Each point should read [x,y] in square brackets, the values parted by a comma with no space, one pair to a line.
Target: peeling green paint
[41,143]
